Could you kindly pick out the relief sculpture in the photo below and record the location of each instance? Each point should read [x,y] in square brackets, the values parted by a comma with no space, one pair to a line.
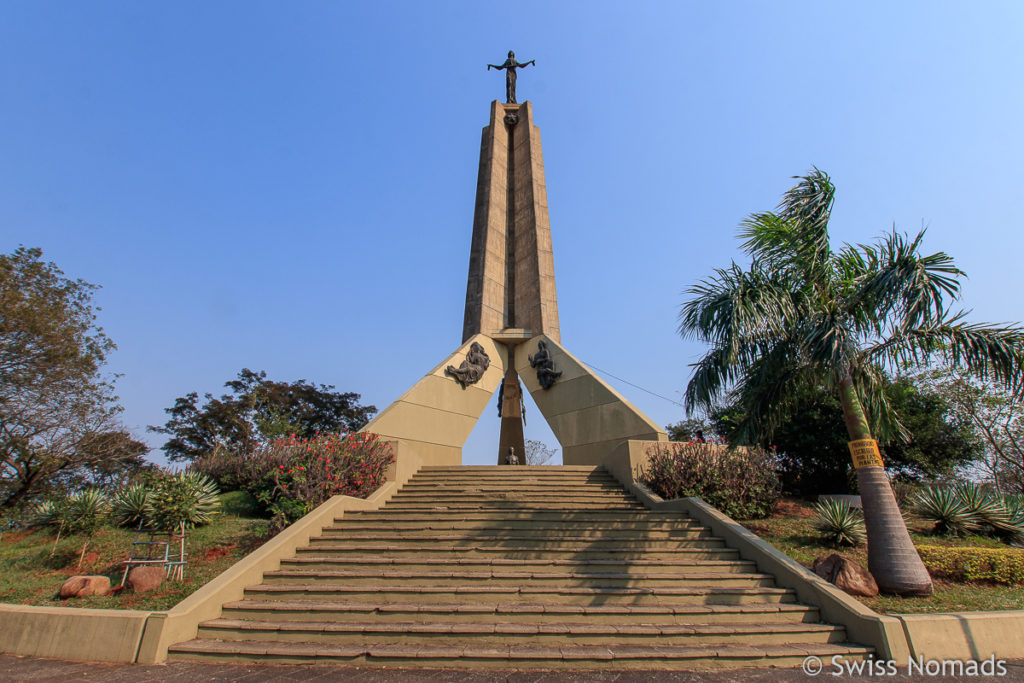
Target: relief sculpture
[546,373]
[473,368]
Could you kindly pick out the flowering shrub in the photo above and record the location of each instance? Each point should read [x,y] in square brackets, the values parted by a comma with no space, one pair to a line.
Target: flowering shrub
[997,565]
[740,482]
[293,475]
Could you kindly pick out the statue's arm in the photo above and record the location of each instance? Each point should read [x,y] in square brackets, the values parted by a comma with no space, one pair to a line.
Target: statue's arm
[499,67]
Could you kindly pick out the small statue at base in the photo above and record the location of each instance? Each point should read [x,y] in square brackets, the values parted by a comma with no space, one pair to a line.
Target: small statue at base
[511,458]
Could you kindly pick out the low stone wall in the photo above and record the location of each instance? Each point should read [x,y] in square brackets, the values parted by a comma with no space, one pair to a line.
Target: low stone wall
[99,635]
[965,635]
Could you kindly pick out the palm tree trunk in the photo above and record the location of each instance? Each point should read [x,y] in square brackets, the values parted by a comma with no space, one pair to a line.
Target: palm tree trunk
[892,558]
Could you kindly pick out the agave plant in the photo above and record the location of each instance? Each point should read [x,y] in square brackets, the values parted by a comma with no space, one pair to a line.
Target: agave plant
[128,508]
[978,502]
[842,524]
[1015,510]
[86,512]
[950,515]
[184,500]
[1005,517]
[47,513]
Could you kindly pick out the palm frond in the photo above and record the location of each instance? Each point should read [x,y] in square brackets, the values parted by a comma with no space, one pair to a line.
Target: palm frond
[990,352]
[903,286]
[765,391]
[810,200]
[798,226]
[734,303]
[827,339]
[712,375]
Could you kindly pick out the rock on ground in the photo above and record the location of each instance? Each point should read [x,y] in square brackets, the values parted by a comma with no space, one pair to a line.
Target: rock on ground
[846,575]
[142,579]
[80,586]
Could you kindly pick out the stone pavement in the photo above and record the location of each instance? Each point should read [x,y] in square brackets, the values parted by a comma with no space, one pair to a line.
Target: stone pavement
[31,669]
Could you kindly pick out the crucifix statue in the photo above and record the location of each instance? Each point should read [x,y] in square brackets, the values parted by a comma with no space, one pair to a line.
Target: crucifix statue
[510,67]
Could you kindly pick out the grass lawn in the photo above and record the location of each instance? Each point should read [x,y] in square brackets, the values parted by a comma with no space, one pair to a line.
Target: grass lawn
[792,530]
[31,575]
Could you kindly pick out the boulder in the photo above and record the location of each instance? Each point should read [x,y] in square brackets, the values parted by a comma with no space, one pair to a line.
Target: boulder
[846,575]
[80,586]
[142,579]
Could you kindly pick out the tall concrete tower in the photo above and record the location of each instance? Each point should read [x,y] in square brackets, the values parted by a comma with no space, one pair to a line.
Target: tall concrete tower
[510,333]
[511,281]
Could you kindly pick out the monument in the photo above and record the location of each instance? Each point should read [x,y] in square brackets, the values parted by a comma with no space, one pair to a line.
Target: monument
[510,332]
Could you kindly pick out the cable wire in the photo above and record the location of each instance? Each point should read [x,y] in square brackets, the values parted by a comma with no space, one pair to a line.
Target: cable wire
[635,386]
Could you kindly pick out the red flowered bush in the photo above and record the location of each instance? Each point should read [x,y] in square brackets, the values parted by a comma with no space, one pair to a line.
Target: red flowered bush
[293,475]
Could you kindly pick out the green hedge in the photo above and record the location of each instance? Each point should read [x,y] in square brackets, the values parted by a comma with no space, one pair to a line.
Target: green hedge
[997,565]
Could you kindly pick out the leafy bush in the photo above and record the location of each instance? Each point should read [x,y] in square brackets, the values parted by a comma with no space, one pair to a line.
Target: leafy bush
[740,482]
[231,471]
[291,476]
[843,525]
[997,565]
[239,504]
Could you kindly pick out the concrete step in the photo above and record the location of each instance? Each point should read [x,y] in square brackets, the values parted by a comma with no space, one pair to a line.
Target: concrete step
[495,504]
[525,541]
[304,610]
[555,595]
[617,657]
[708,548]
[576,526]
[591,517]
[319,562]
[491,532]
[495,577]
[479,484]
[518,499]
[518,470]
[504,633]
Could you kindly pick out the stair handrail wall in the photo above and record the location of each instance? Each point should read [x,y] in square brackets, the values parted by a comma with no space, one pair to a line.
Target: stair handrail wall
[863,625]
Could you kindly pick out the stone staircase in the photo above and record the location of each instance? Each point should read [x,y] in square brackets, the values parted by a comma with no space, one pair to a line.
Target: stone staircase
[517,567]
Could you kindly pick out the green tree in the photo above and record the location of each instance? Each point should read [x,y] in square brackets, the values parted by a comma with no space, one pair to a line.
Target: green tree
[686,430]
[811,438]
[55,405]
[996,418]
[257,410]
[805,314]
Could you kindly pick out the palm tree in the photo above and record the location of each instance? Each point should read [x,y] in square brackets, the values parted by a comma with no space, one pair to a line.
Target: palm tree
[806,313]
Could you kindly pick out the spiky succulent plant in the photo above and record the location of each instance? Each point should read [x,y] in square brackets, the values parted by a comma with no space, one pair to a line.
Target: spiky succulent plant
[842,524]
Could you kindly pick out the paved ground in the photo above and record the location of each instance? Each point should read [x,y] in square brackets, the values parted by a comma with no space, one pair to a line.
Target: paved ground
[29,669]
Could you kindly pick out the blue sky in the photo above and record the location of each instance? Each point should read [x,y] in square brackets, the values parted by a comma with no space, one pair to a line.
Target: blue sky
[290,186]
